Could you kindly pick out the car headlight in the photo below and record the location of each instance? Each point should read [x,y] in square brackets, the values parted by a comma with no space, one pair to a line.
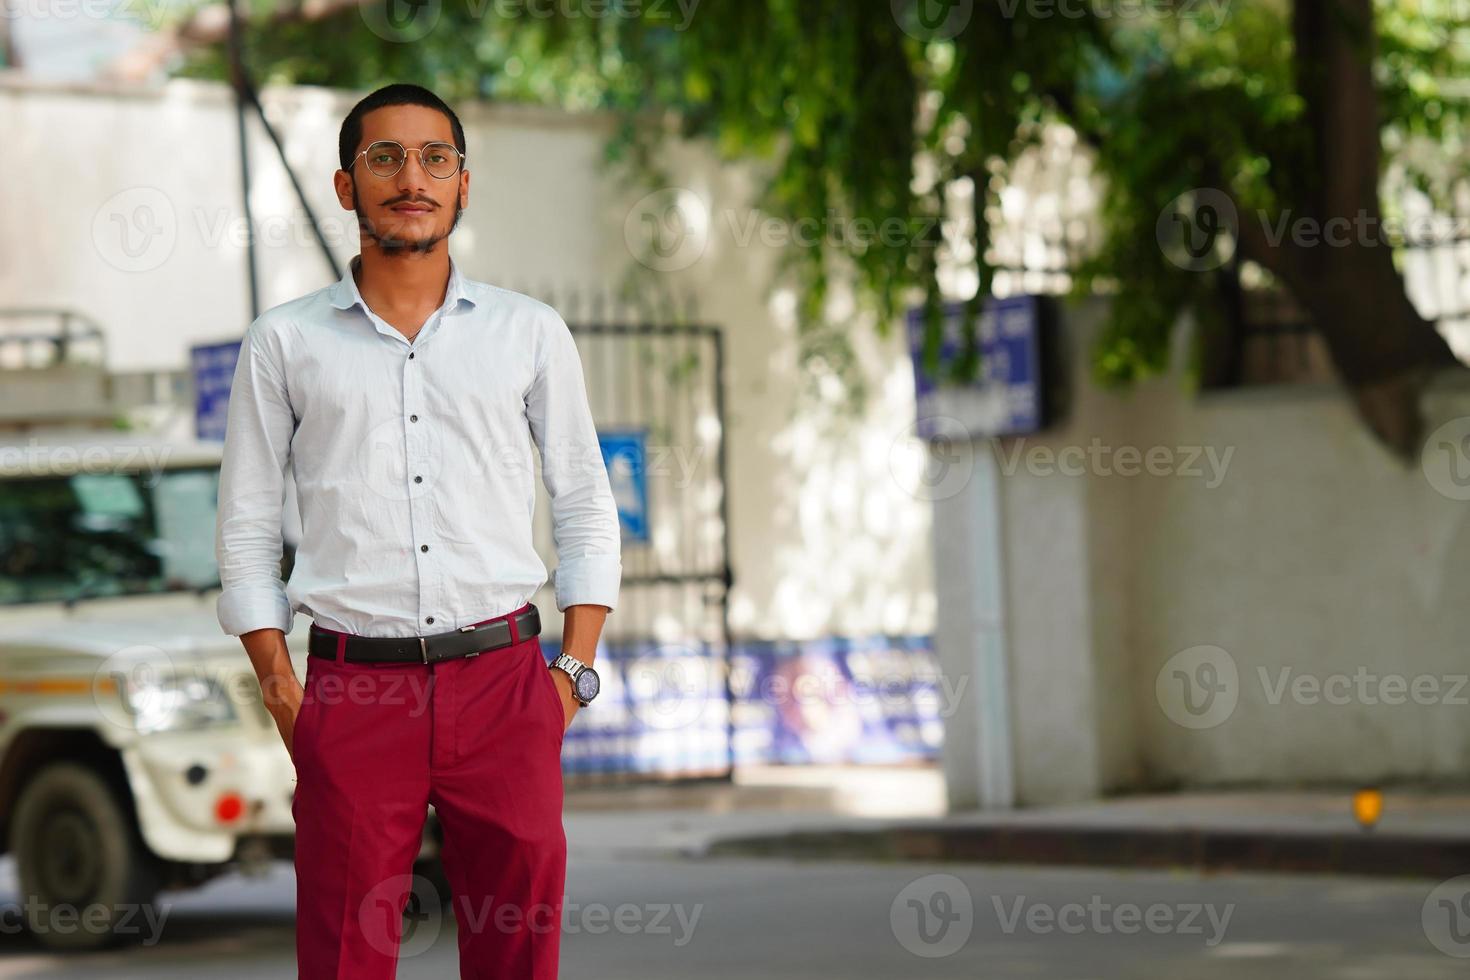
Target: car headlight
[176,703]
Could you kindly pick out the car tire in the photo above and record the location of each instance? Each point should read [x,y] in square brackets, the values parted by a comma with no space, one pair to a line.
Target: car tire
[429,873]
[78,849]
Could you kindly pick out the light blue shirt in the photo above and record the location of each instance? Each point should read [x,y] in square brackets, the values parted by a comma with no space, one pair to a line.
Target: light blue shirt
[413,465]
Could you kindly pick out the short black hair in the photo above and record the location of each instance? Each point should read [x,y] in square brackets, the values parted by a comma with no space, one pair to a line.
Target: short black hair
[400,93]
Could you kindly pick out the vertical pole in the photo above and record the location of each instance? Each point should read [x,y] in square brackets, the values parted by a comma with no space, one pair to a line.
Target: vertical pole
[971,634]
[727,570]
[237,81]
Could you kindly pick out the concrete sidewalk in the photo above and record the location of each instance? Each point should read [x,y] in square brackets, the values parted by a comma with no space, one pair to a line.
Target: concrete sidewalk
[897,814]
[687,818]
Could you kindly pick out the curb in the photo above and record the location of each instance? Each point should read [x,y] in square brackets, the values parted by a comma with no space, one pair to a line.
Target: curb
[1362,853]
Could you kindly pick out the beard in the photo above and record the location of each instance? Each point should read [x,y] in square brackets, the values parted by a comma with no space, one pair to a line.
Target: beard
[391,244]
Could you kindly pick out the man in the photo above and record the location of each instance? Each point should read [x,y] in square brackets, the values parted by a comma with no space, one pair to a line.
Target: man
[405,399]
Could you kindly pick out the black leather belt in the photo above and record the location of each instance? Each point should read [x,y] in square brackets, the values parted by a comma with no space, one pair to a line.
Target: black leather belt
[467,641]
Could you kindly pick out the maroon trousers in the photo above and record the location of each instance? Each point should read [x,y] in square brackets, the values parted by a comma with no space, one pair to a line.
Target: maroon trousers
[479,738]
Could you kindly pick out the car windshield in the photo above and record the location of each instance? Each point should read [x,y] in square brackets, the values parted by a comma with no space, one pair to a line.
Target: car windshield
[107,534]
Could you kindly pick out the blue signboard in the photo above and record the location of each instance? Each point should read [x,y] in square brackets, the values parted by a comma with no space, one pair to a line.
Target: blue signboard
[1006,396]
[625,454]
[214,368]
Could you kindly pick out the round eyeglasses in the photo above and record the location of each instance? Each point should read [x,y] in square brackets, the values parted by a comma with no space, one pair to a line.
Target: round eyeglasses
[386,157]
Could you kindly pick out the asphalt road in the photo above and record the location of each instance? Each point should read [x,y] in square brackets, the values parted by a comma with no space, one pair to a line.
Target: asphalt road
[651,916]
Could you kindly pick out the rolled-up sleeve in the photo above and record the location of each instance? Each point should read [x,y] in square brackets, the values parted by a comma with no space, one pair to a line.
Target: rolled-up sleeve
[583,513]
[257,450]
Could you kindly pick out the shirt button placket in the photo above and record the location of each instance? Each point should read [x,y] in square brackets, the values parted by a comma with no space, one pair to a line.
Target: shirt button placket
[414,438]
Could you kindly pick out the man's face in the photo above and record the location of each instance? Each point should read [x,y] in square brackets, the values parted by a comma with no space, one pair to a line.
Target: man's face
[412,211]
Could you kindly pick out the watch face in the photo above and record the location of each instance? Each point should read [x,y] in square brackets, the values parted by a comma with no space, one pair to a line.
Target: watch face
[587,684]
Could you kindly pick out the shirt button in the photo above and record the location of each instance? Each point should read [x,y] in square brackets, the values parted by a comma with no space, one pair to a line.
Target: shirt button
[418,479]
[410,355]
[423,547]
[428,619]
[413,418]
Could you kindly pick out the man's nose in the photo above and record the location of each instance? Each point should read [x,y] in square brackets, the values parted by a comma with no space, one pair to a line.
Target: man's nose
[413,178]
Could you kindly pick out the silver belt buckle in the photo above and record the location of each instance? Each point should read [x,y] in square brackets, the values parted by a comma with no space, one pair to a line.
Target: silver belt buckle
[424,649]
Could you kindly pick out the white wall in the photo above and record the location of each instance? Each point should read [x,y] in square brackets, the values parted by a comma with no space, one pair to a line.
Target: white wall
[1310,551]
[828,537]
[1320,556]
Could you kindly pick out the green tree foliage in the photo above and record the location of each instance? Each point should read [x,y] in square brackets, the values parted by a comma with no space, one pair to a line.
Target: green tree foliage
[865,110]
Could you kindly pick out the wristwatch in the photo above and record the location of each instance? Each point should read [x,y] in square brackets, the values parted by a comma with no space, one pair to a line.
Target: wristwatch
[585,682]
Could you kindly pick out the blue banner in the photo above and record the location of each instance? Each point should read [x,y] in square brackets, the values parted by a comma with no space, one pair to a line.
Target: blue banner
[664,708]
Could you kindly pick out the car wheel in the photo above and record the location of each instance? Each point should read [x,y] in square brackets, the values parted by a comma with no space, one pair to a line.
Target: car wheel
[429,875]
[85,875]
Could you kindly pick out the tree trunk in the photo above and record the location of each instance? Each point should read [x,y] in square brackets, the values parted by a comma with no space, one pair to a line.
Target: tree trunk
[1343,274]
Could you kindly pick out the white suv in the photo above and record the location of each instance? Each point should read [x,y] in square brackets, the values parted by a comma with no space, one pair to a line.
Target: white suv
[135,751]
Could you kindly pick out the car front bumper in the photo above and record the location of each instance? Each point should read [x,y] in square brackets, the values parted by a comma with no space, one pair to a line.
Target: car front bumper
[198,793]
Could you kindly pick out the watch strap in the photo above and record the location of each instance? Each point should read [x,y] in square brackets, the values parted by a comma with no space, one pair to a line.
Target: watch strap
[573,668]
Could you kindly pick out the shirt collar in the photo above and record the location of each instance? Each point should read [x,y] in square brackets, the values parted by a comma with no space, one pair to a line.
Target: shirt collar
[345,294]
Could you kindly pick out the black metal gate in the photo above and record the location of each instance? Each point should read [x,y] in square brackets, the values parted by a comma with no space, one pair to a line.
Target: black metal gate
[665,711]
